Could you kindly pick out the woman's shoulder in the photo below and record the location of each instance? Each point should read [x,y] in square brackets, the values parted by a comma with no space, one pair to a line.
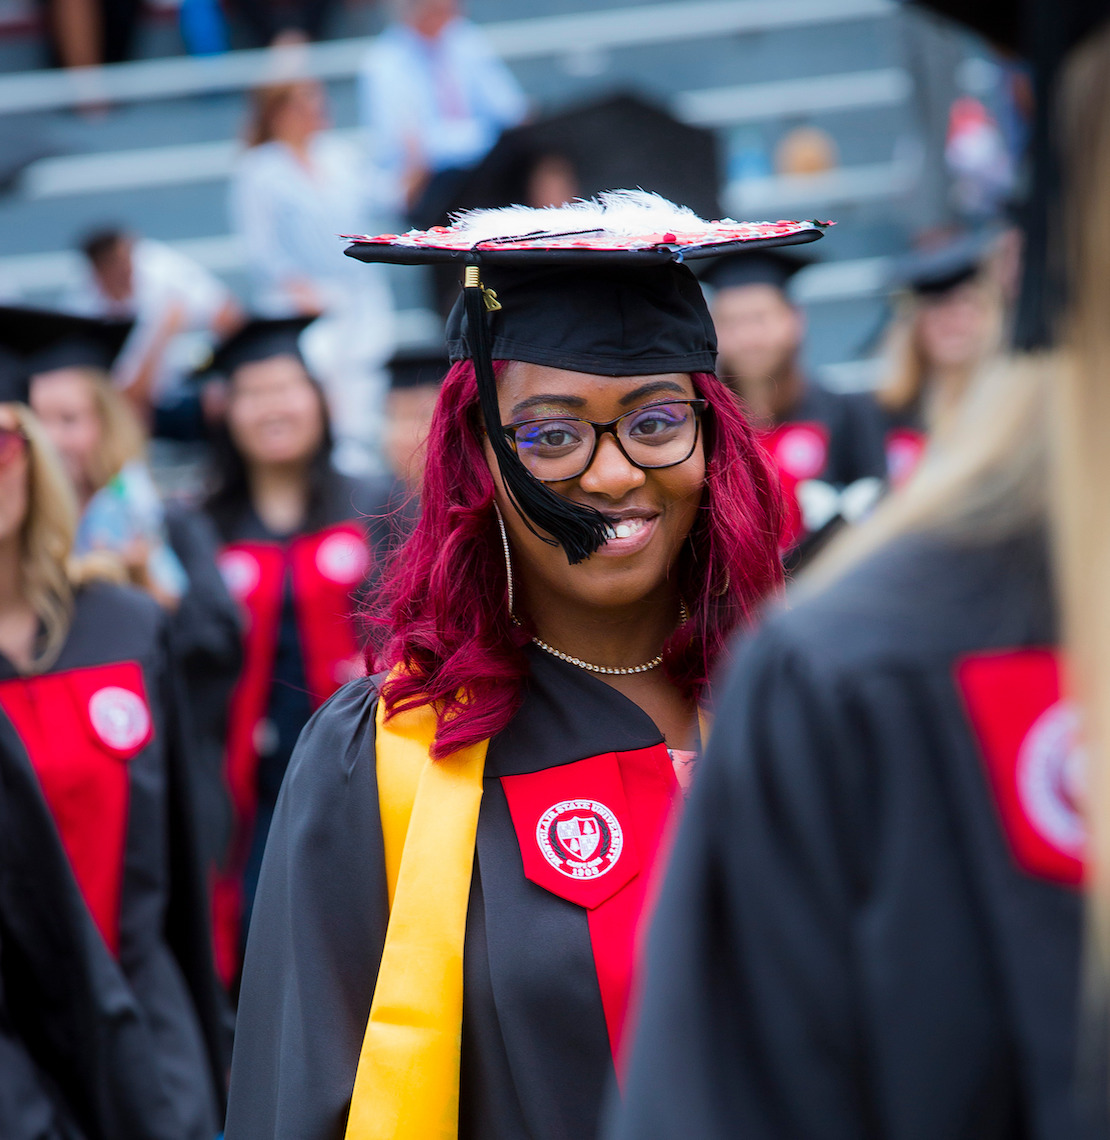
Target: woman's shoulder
[113,623]
[338,740]
[113,601]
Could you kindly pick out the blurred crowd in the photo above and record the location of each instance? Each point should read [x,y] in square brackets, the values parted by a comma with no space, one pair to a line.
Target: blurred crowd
[163,646]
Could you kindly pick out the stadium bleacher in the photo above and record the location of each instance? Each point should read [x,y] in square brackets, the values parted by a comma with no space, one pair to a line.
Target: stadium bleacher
[750,69]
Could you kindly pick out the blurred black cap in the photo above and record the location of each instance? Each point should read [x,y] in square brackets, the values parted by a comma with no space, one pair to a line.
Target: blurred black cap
[932,272]
[258,339]
[762,267]
[44,340]
[13,378]
[418,366]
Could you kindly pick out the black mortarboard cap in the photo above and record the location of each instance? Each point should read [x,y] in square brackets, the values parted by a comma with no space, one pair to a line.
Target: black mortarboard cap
[611,321]
[45,340]
[418,366]
[759,267]
[13,378]
[598,286]
[931,272]
[1044,32]
[261,338]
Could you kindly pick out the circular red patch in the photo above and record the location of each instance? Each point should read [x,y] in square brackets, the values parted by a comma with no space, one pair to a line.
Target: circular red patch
[581,839]
[119,717]
[1050,769]
[801,451]
[342,558]
[240,572]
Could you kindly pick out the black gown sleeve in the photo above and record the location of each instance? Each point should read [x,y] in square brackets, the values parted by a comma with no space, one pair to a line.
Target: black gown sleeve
[206,641]
[76,1056]
[316,934]
[750,976]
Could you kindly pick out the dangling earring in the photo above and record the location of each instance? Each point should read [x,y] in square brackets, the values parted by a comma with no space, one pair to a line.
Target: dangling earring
[508,562]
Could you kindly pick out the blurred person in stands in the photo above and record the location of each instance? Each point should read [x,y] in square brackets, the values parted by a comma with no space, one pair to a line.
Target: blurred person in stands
[171,298]
[283,22]
[294,555]
[950,321]
[294,190]
[88,33]
[434,98]
[874,924]
[818,439]
[88,685]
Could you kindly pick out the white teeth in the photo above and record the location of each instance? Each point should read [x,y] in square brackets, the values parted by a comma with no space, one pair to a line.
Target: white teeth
[626,529]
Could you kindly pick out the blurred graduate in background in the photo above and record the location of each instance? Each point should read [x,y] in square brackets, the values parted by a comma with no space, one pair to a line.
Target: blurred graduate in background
[294,555]
[822,442]
[170,552]
[949,322]
[89,687]
[873,924]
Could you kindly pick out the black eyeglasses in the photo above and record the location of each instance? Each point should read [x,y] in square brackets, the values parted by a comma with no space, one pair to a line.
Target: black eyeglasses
[650,437]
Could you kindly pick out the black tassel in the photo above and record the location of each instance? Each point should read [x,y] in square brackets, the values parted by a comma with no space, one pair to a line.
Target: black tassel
[578,530]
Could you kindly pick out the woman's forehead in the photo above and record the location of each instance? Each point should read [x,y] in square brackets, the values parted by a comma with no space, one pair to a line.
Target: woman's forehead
[524,381]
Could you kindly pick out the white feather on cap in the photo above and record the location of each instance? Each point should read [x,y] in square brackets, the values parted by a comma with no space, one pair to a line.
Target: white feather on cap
[622,213]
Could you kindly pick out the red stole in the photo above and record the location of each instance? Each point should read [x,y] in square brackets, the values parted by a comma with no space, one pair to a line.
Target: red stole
[325,567]
[80,728]
[593,832]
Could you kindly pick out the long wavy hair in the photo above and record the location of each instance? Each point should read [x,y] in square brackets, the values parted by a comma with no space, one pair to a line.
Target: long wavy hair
[441,618]
[48,572]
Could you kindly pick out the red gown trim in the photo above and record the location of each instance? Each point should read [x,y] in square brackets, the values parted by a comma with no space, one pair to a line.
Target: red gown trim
[592,832]
[80,727]
[1028,732]
[327,567]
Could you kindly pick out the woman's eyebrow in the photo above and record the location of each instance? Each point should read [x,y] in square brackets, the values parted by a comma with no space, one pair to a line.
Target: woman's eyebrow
[650,390]
[538,401]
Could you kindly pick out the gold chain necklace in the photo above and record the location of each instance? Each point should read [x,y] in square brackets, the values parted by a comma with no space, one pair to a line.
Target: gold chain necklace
[647,666]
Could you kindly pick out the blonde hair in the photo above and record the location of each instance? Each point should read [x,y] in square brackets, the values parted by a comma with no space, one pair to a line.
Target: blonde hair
[121,436]
[982,480]
[907,382]
[1081,468]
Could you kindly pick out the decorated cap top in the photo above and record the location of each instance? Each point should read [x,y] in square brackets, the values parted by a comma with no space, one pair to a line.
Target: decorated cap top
[617,227]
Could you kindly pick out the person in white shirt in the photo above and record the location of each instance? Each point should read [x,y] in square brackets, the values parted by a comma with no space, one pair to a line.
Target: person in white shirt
[179,309]
[294,191]
[434,98]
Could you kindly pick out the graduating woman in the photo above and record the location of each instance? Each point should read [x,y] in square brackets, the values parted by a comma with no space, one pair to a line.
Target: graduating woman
[949,324]
[86,684]
[873,925]
[445,926]
[294,554]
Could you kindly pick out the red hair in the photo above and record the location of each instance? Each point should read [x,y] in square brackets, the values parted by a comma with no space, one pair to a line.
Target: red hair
[442,613]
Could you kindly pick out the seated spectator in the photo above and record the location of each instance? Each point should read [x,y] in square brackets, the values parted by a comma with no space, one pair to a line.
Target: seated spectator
[168,296]
[434,98]
[294,189]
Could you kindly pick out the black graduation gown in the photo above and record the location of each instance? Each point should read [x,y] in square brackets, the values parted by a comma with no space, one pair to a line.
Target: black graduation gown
[536,1053]
[206,643]
[112,700]
[77,1056]
[852,941]
[297,594]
